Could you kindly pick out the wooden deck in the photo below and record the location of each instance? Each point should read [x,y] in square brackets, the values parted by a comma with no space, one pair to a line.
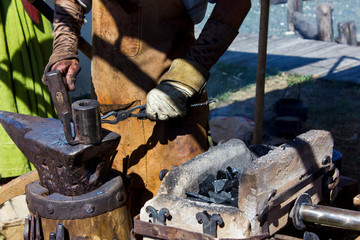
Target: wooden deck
[325,60]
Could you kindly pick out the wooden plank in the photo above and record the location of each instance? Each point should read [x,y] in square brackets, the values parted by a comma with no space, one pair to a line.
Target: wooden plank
[301,56]
[17,186]
[284,44]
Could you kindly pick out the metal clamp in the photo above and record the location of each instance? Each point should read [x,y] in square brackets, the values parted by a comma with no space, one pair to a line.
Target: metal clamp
[209,222]
[158,218]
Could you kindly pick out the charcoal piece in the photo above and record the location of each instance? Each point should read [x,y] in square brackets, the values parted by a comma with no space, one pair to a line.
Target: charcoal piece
[199,197]
[200,200]
[232,202]
[218,198]
[219,185]
[224,194]
[229,173]
[206,185]
[221,175]
[230,184]
[233,172]
[234,193]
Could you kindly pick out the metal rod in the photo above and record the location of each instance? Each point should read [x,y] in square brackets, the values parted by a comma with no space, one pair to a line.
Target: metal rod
[330,216]
[260,72]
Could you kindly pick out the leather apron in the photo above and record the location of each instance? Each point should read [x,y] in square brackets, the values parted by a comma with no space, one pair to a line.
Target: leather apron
[134,43]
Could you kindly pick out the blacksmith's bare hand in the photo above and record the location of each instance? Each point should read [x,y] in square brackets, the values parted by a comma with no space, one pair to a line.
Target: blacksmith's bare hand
[69,69]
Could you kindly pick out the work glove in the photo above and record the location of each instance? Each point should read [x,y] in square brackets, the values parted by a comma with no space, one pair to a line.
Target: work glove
[68,18]
[170,98]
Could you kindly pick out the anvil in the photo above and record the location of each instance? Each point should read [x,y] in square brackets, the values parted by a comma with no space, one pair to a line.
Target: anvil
[63,168]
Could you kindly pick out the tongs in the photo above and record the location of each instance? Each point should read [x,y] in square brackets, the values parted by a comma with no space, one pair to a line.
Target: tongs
[121,115]
[124,114]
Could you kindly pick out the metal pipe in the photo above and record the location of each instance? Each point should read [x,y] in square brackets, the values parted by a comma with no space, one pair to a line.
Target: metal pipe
[305,211]
[330,216]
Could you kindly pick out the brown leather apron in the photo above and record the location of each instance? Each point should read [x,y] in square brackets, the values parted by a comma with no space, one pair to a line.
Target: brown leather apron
[134,43]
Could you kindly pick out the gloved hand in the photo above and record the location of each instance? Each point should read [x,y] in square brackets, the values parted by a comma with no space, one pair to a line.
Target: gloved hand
[170,98]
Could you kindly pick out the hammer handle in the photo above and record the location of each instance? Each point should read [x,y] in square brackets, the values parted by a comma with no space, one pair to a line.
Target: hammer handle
[60,97]
[59,93]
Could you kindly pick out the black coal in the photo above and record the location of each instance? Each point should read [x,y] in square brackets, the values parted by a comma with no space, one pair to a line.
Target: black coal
[219,189]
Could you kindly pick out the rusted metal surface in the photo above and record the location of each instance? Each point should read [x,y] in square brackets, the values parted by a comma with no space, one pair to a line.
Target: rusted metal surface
[148,229]
[65,169]
[106,198]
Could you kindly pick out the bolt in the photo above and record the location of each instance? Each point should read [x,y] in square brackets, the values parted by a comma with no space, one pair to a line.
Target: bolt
[326,160]
[162,174]
[89,208]
[50,208]
[119,197]
[155,231]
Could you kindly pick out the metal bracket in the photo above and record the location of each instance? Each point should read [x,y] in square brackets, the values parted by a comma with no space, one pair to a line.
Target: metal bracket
[60,233]
[158,218]
[209,222]
[32,227]
[108,197]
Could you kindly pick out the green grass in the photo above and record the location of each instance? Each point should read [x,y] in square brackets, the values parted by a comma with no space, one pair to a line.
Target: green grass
[226,78]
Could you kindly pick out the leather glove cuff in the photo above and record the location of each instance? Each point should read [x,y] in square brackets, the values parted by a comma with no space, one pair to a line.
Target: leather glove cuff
[213,41]
[68,18]
[188,73]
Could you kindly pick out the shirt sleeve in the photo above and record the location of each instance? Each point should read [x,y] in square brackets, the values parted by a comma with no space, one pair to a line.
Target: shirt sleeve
[196,9]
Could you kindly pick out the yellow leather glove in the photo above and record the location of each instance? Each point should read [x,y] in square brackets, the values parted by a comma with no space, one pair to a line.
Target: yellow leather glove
[170,98]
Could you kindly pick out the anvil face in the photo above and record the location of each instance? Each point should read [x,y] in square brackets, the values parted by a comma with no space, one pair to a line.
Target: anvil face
[63,168]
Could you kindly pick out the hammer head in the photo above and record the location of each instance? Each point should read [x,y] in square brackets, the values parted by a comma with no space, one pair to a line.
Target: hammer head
[63,168]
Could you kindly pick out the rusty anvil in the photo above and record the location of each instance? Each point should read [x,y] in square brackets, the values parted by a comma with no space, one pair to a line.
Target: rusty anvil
[67,169]
[72,155]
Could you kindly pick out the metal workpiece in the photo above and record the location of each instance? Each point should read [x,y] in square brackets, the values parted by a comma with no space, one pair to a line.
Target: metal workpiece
[87,122]
[304,211]
[108,197]
[63,168]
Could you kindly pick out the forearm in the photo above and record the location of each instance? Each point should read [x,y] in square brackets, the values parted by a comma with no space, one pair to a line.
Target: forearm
[219,31]
[68,18]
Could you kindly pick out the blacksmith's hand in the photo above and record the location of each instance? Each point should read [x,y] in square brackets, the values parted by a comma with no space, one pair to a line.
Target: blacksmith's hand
[170,98]
[69,69]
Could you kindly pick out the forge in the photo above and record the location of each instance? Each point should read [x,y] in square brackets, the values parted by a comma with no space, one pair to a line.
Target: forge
[268,187]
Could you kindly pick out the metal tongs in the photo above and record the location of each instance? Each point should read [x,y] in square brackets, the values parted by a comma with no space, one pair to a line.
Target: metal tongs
[125,114]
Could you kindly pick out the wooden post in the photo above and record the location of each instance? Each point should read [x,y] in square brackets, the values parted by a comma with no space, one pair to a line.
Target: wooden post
[260,72]
[293,6]
[347,33]
[324,22]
